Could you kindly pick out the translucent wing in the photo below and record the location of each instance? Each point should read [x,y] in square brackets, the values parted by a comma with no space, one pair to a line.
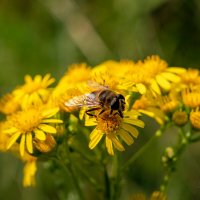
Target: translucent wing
[87,100]
[97,86]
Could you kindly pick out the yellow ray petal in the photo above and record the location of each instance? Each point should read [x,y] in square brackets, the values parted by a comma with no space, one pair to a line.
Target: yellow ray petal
[171,77]
[22,145]
[135,122]
[13,139]
[141,88]
[126,137]
[50,112]
[38,78]
[10,130]
[154,86]
[95,139]
[29,142]
[163,82]
[117,144]
[46,128]
[28,79]
[90,121]
[54,121]
[109,146]
[39,134]
[94,133]
[131,129]
[177,70]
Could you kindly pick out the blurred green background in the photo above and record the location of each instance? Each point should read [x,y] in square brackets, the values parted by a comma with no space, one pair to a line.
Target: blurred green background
[45,36]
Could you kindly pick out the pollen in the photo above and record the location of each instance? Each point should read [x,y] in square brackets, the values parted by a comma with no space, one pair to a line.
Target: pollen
[107,123]
[26,121]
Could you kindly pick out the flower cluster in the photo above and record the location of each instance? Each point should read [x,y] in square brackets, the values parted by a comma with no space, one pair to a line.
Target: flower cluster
[34,112]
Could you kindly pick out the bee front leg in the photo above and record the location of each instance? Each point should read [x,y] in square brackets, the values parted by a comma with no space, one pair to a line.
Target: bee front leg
[102,111]
[88,112]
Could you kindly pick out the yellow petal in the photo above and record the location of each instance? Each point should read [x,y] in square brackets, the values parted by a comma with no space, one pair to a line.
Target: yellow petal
[90,121]
[177,70]
[117,144]
[133,114]
[171,77]
[96,137]
[13,139]
[135,122]
[141,88]
[46,128]
[29,142]
[22,145]
[10,130]
[126,137]
[46,78]
[50,112]
[109,146]
[54,121]
[38,78]
[39,134]
[28,79]
[94,133]
[131,129]
[154,86]
[163,82]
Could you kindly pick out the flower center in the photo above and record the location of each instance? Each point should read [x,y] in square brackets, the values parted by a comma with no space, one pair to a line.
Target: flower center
[26,121]
[108,124]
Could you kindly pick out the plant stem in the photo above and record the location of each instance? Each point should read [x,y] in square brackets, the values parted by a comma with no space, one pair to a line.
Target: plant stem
[68,169]
[138,154]
[107,191]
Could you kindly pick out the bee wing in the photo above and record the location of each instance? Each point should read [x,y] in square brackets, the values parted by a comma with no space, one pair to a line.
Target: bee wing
[97,86]
[88,100]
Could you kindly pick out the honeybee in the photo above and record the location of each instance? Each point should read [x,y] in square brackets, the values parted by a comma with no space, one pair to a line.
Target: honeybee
[103,99]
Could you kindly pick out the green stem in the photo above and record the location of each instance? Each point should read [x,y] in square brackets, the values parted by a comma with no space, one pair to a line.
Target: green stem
[135,156]
[116,177]
[182,144]
[107,191]
[68,169]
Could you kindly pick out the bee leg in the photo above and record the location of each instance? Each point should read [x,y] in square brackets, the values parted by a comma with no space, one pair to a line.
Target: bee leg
[90,110]
[111,112]
[102,111]
[120,113]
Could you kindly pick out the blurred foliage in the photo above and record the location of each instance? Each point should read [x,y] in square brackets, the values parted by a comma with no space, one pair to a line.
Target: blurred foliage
[44,36]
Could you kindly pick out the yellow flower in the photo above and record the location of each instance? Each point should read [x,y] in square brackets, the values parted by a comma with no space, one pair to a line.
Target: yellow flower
[73,83]
[190,77]
[27,125]
[167,103]
[76,73]
[35,91]
[46,145]
[3,137]
[157,195]
[29,171]
[160,75]
[8,104]
[195,118]
[147,106]
[114,127]
[191,96]
[180,118]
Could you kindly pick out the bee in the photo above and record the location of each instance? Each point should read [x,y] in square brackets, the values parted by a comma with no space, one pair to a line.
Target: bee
[103,99]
